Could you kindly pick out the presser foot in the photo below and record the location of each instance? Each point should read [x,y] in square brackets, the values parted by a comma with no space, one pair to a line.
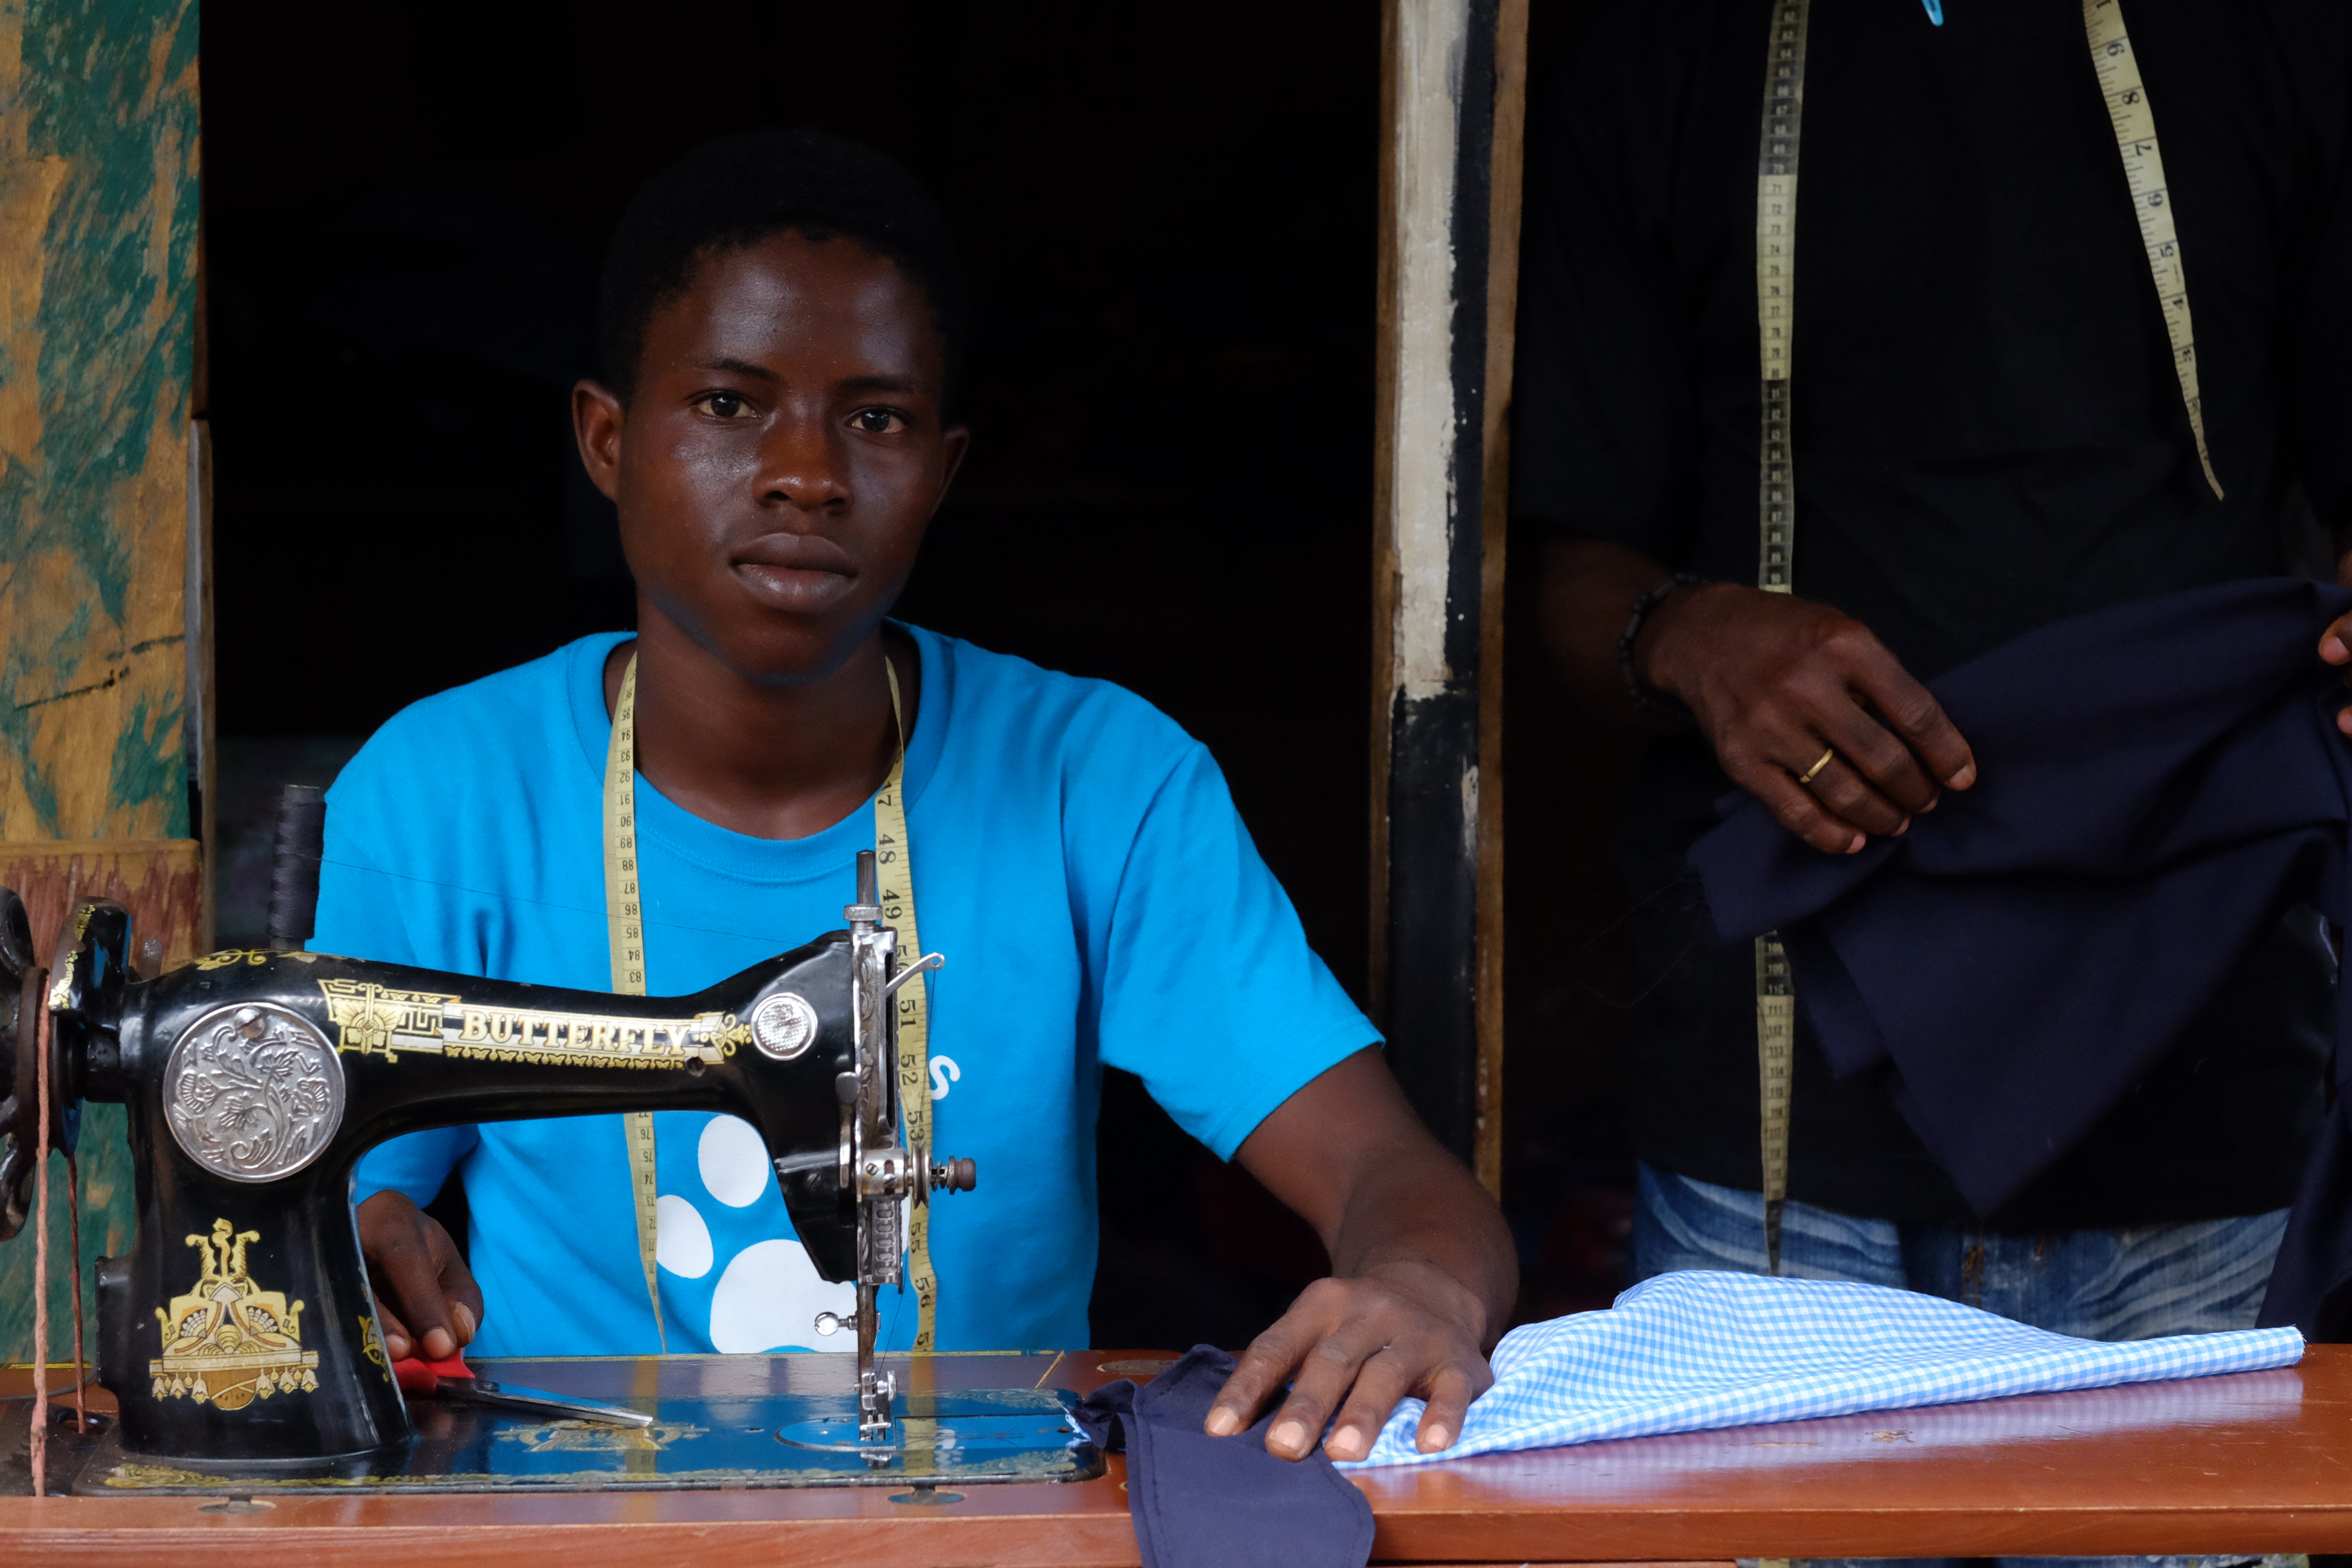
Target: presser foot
[875,1391]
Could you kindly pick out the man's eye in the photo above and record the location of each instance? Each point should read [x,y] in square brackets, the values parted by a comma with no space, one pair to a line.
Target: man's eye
[723,405]
[879,421]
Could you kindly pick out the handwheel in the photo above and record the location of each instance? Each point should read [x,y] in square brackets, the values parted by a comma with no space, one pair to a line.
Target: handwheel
[58,1006]
[20,1001]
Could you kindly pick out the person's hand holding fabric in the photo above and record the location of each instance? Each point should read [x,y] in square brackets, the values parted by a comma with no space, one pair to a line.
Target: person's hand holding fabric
[1776,683]
[1424,1272]
[1780,686]
[2166,786]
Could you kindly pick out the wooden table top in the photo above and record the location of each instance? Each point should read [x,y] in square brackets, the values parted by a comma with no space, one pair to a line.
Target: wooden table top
[2254,1462]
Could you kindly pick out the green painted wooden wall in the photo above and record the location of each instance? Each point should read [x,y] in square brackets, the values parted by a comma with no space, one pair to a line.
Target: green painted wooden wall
[98,163]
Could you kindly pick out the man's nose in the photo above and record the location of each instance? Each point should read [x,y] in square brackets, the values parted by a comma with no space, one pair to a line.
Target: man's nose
[800,464]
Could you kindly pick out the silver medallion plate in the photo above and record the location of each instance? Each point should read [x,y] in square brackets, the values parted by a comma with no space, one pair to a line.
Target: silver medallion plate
[783,1025]
[253,1092]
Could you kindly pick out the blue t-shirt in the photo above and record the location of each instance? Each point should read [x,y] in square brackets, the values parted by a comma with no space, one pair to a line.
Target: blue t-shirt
[1078,859]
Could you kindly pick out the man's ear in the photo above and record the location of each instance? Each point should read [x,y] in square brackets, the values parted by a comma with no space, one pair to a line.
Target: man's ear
[957,441]
[596,418]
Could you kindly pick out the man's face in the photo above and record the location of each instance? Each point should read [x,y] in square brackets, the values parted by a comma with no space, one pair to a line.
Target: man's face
[782,454]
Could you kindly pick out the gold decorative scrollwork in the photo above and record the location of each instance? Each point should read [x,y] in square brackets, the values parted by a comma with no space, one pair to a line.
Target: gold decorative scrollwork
[372,1345]
[229,958]
[374,1019]
[229,1341]
[601,1438]
[724,1030]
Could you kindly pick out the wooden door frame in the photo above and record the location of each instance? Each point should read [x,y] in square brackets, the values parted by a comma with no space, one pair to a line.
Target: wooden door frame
[1454,94]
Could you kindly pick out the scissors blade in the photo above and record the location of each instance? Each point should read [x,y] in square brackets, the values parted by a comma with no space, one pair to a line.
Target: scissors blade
[539,1401]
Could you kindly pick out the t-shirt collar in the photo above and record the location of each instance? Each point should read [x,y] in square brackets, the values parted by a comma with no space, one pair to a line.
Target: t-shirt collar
[728,853]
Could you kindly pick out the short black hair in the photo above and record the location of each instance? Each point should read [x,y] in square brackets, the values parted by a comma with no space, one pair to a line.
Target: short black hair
[739,190]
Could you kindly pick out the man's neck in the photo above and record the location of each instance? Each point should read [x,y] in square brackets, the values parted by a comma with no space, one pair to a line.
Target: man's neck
[772,761]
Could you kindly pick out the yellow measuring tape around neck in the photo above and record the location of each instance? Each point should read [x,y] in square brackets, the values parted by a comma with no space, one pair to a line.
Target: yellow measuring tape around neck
[893,859]
[2135,122]
[1776,301]
[894,871]
[625,929]
[1776,286]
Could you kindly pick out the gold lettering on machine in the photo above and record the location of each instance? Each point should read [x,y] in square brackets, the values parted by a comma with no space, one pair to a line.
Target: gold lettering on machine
[373,1020]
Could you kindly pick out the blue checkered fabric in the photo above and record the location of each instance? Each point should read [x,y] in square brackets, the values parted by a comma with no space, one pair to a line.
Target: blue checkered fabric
[1693,1352]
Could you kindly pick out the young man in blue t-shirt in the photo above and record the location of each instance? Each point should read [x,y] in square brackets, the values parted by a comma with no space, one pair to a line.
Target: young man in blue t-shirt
[783,323]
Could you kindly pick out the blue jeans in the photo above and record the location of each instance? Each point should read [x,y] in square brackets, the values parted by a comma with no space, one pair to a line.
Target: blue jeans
[2137,1284]
[2133,1284]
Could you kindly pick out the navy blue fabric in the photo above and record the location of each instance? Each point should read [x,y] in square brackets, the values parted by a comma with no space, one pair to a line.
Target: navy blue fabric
[2160,784]
[1990,439]
[1200,1502]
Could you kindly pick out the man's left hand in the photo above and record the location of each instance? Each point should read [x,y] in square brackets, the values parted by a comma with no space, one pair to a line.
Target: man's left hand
[1424,1272]
[1358,1346]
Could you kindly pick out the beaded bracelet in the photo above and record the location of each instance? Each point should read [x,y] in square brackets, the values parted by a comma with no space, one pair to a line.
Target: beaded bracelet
[1646,696]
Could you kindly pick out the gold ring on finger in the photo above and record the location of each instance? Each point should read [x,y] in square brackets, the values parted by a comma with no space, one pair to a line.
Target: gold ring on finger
[1810,774]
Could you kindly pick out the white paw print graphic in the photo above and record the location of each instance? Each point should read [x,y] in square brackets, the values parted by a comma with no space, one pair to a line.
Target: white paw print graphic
[769,1293]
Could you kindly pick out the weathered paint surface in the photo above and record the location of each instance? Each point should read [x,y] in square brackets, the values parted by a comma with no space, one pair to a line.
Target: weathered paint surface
[1436,849]
[98,242]
[98,237]
[154,878]
[157,881]
[1430,41]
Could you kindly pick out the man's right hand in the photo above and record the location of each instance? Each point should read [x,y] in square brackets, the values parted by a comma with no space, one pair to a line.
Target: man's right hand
[1774,681]
[427,1301]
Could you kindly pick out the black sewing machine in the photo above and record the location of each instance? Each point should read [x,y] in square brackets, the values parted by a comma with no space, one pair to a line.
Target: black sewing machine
[240,1331]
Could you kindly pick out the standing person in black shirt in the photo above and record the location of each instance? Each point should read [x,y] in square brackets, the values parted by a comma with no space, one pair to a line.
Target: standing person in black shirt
[1989,434]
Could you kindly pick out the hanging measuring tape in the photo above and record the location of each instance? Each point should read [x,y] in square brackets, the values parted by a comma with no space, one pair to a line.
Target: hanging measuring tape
[1776,300]
[2135,122]
[625,920]
[894,871]
[1776,280]
[625,929]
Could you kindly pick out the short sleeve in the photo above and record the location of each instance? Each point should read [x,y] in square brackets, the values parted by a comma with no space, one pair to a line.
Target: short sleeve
[360,912]
[1604,422]
[373,820]
[1208,990]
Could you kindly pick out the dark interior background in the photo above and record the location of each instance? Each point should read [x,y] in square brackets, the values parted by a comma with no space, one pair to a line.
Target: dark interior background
[1169,217]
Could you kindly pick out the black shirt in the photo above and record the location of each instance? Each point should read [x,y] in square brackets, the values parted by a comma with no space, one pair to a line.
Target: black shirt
[1988,436]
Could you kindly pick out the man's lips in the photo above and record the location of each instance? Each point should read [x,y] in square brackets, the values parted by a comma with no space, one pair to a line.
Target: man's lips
[795,571]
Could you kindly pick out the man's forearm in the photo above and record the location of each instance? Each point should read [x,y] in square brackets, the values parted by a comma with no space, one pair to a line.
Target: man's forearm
[1429,1213]
[1349,1156]
[1423,1274]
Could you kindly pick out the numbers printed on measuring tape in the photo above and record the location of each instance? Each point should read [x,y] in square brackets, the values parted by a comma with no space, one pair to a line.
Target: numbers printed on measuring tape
[892,847]
[627,936]
[1776,505]
[625,923]
[1776,287]
[2134,118]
